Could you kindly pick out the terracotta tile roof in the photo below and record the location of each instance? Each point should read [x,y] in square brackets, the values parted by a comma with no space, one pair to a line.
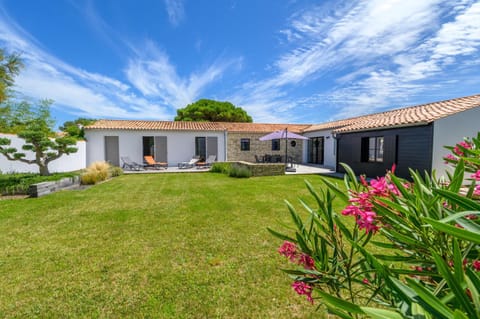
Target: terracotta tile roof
[332,125]
[408,116]
[193,126]
[155,125]
[413,115]
[263,127]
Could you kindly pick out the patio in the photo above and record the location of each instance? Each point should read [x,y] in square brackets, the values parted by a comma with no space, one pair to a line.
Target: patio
[300,169]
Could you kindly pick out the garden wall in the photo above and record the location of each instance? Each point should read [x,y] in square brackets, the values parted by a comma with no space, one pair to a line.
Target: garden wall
[66,163]
[269,169]
[45,188]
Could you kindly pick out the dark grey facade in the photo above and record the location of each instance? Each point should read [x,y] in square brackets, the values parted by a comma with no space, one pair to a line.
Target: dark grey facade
[407,147]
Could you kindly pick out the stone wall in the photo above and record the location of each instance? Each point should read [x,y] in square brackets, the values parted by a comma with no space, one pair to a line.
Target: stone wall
[45,188]
[259,148]
[270,169]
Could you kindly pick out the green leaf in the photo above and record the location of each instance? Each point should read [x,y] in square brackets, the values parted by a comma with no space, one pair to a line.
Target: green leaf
[281,236]
[458,175]
[458,215]
[339,303]
[459,315]
[460,295]
[473,284]
[337,191]
[377,313]
[351,175]
[465,203]
[296,218]
[428,300]
[457,262]
[339,313]
[454,231]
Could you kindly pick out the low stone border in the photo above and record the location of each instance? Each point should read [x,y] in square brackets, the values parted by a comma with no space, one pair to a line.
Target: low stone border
[263,169]
[45,188]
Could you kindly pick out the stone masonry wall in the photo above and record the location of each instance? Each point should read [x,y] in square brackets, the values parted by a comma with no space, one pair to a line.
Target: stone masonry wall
[271,169]
[259,148]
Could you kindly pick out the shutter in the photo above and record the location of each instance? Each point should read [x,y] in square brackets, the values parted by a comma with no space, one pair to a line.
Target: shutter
[212,146]
[112,150]
[161,152]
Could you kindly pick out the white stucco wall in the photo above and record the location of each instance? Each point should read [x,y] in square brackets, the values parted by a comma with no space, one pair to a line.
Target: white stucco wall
[180,144]
[330,157]
[66,163]
[451,130]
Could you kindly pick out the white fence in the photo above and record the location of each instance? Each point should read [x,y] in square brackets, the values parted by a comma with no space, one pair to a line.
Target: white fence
[66,163]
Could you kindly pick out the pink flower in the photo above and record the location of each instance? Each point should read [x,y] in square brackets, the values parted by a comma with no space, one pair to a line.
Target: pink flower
[366,220]
[379,186]
[289,250]
[306,261]
[303,289]
[477,190]
[363,180]
[476,265]
[449,157]
[476,176]
[351,210]
[365,281]
[464,144]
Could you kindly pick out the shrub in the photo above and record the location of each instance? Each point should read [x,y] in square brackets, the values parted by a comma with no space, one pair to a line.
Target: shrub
[115,171]
[19,183]
[239,172]
[96,172]
[428,234]
[221,167]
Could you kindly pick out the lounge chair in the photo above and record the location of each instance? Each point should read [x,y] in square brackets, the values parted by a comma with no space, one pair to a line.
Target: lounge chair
[190,164]
[130,165]
[208,162]
[152,163]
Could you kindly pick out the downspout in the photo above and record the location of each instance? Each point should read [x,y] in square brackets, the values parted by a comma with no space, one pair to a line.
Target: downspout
[225,137]
[336,137]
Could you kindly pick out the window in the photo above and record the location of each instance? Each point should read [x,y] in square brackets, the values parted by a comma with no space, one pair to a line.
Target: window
[245,144]
[372,149]
[276,145]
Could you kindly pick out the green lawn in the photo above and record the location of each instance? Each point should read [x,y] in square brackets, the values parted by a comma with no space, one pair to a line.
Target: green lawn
[151,246]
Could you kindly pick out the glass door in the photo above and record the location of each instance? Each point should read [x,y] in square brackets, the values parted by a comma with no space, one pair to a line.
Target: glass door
[315,150]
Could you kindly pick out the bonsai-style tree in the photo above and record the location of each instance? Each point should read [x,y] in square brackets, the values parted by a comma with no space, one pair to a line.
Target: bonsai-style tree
[35,126]
[205,110]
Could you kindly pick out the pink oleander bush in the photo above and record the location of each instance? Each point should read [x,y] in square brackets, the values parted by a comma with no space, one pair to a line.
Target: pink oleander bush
[428,233]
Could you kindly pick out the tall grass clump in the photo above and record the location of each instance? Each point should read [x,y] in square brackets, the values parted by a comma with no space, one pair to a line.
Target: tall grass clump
[115,171]
[96,172]
[220,167]
[239,172]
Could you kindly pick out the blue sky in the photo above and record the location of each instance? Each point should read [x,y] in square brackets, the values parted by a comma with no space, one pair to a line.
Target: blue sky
[282,61]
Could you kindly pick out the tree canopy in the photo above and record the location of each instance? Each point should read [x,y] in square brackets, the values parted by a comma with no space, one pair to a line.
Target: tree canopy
[35,125]
[205,110]
[75,128]
[9,67]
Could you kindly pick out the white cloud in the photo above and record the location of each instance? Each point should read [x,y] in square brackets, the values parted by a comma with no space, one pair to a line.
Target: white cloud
[154,75]
[84,93]
[175,11]
[382,52]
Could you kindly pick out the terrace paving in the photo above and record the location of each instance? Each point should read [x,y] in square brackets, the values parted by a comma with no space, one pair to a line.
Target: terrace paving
[300,169]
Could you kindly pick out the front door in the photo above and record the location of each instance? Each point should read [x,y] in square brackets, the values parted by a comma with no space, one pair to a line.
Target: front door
[315,150]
